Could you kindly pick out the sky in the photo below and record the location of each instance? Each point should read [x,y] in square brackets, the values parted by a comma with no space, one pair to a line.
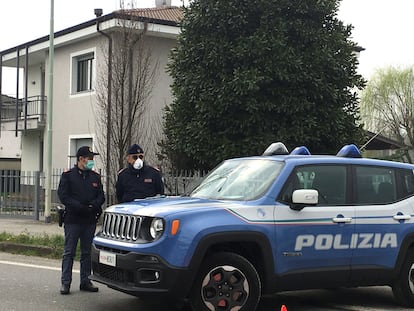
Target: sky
[382,27]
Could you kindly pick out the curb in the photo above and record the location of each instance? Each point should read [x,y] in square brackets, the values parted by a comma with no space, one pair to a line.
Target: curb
[16,247]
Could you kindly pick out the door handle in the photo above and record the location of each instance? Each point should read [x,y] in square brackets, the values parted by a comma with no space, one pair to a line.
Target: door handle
[342,219]
[401,217]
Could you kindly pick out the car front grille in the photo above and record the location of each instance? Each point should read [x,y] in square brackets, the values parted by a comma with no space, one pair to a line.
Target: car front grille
[110,273]
[121,227]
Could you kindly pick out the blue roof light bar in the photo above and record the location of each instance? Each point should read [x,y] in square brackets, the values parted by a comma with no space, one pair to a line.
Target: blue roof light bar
[302,150]
[349,151]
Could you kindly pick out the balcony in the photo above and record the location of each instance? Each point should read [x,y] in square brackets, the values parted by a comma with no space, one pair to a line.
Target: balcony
[22,114]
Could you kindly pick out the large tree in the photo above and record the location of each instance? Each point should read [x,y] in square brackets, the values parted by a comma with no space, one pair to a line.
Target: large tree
[387,106]
[248,73]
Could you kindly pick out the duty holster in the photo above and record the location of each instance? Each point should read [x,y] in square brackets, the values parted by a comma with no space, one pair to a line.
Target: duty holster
[61,214]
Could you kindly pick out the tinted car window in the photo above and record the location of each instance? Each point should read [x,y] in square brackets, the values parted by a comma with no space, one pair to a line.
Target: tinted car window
[375,185]
[329,180]
[407,187]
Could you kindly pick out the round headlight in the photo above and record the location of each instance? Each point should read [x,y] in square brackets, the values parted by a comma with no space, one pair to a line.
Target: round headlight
[156,228]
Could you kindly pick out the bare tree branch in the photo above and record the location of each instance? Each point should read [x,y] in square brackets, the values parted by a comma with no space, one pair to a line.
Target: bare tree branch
[133,75]
[388,102]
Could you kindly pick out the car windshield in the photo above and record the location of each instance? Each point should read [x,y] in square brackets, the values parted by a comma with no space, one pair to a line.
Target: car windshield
[239,179]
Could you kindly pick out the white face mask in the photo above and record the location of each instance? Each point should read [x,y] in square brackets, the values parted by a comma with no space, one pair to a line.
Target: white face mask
[138,164]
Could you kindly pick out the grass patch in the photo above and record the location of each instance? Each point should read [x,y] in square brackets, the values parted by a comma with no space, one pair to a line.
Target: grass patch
[49,246]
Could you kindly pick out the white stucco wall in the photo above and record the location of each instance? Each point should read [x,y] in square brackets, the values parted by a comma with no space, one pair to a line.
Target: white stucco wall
[74,115]
[10,145]
[31,151]
[34,80]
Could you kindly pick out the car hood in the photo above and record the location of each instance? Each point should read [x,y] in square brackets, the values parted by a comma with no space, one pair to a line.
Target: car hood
[163,206]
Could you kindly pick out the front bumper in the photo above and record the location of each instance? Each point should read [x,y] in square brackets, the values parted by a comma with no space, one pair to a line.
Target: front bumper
[141,275]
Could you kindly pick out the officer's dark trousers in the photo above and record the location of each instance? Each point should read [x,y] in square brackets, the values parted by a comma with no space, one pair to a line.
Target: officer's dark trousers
[74,232]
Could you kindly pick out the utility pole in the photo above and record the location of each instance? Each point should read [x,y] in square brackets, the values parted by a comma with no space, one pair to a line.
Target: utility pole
[48,182]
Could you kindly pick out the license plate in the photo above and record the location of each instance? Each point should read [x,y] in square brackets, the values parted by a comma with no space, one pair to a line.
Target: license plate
[107,258]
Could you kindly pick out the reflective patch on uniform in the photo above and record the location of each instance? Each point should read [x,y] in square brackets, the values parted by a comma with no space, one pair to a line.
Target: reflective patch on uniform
[148,180]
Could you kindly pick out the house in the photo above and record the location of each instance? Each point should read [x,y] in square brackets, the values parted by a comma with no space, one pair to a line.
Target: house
[78,62]
[379,146]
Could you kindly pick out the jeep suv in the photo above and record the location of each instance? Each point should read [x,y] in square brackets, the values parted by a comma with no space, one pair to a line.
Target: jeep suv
[264,224]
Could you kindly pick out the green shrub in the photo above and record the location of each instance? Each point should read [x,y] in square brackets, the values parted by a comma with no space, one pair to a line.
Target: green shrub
[50,246]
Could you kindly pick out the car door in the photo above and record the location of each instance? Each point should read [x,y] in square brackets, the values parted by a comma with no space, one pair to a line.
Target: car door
[383,218]
[315,241]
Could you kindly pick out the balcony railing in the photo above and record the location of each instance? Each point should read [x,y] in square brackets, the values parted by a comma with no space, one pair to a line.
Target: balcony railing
[33,107]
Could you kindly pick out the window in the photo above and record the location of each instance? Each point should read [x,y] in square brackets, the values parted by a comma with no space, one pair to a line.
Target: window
[239,179]
[407,183]
[83,72]
[74,144]
[375,185]
[329,180]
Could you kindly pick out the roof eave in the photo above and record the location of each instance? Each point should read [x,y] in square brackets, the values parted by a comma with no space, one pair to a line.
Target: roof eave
[158,27]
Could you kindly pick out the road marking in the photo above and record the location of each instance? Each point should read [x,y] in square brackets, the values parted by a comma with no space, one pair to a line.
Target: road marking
[33,266]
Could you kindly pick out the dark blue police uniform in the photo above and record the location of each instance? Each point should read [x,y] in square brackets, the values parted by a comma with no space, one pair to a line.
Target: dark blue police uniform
[81,192]
[138,184]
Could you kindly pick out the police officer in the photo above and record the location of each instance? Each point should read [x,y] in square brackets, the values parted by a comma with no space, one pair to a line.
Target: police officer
[80,190]
[138,180]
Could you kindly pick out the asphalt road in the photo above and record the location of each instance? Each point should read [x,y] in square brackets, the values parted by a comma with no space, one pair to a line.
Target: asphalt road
[32,283]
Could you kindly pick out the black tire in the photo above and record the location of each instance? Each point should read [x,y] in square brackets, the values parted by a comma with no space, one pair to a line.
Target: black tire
[226,280]
[403,287]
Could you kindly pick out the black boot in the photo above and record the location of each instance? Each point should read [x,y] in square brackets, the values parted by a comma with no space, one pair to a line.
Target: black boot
[89,287]
[65,289]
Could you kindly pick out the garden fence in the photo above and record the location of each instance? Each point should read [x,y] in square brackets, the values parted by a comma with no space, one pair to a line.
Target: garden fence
[22,193]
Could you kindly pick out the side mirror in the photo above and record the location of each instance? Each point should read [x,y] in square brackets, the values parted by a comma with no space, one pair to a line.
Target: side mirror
[304,197]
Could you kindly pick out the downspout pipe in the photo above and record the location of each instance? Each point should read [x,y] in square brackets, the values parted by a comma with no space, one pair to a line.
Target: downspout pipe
[26,85]
[1,88]
[17,92]
[98,13]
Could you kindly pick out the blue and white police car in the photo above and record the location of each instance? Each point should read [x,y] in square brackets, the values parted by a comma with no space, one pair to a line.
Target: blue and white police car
[259,225]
